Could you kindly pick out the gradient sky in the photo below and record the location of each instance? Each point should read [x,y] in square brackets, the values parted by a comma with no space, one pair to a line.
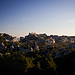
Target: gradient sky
[19,17]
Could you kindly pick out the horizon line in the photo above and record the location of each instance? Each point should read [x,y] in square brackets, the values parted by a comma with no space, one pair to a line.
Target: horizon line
[36,33]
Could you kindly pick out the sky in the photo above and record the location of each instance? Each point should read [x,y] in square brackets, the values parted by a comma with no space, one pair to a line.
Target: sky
[53,17]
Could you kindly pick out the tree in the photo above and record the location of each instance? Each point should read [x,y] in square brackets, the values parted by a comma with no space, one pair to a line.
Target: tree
[29,63]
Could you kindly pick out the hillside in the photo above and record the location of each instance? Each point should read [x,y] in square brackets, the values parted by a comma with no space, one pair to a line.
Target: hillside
[37,53]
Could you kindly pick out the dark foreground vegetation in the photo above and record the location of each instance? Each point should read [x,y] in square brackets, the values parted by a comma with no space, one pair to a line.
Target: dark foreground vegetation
[33,63]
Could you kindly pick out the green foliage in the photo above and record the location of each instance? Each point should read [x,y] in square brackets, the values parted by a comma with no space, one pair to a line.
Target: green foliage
[29,63]
[38,65]
[2,39]
[51,62]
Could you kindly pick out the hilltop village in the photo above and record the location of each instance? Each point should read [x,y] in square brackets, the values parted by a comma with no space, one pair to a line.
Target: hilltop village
[38,42]
[34,42]
[34,49]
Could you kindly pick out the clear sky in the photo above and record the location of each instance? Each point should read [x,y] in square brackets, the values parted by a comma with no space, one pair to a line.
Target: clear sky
[19,17]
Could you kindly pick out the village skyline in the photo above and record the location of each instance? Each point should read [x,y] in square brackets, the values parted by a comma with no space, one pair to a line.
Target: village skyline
[36,34]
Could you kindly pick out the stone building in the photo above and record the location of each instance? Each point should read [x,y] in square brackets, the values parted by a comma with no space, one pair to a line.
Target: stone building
[32,34]
[50,41]
[72,40]
[64,39]
[15,39]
